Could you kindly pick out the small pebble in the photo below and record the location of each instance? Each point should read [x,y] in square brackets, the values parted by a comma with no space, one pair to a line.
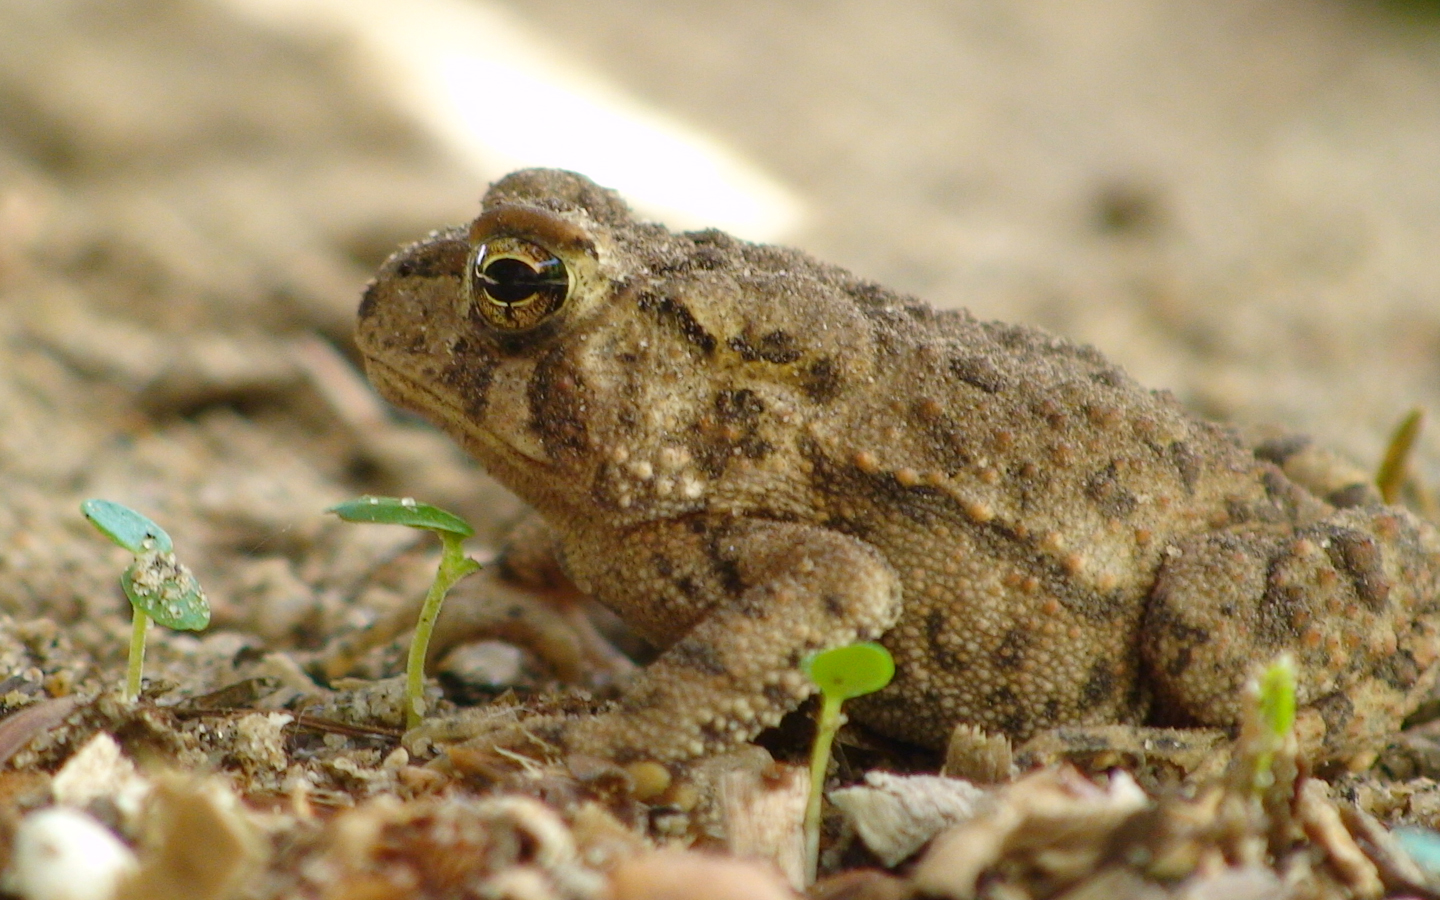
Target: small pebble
[61,853]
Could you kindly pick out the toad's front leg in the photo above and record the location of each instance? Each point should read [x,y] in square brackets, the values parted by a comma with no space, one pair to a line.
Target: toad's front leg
[738,604]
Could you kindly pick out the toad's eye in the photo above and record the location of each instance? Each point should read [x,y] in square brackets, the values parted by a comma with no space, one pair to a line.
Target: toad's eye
[517,284]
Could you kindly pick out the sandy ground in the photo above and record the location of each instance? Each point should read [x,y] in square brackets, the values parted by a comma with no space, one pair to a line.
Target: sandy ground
[1237,200]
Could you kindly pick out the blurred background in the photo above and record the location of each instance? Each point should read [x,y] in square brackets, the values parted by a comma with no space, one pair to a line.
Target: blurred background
[1238,200]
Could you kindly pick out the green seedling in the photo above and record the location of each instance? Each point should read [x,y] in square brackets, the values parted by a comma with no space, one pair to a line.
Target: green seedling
[157,586]
[1277,716]
[1391,475]
[841,674]
[454,565]
[1257,806]
[1263,768]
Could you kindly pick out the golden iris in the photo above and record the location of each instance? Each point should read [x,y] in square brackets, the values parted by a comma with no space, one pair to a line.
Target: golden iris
[517,284]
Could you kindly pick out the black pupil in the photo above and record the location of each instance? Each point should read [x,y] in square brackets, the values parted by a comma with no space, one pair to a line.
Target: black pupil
[510,280]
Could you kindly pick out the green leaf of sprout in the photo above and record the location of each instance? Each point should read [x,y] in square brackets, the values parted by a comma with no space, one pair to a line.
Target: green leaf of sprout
[166,591]
[126,527]
[1277,695]
[398,511]
[854,671]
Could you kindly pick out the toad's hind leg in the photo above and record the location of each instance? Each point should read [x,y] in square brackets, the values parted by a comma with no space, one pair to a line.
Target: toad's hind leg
[1352,596]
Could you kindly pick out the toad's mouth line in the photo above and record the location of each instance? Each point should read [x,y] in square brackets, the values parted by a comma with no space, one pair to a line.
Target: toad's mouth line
[499,457]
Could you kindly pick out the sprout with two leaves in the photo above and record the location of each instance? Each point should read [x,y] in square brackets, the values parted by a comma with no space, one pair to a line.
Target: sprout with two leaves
[454,565]
[157,586]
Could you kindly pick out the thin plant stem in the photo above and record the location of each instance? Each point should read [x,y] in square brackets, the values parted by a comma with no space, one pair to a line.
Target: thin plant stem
[137,655]
[454,565]
[828,724]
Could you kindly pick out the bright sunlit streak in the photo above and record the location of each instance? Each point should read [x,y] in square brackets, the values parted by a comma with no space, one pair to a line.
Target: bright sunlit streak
[503,101]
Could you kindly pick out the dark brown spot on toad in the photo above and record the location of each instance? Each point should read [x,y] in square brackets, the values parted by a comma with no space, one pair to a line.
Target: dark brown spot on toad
[978,372]
[557,400]
[674,312]
[1013,647]
[775,347]
[1280,607]
[1279,450]
[699,656]
[469,376]
[1360,557]
[1187,462]
[1399,670]
[1099,685]
[1104,488]
[821,381]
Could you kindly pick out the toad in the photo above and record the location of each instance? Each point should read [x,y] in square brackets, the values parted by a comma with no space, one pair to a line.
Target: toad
[750,456]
